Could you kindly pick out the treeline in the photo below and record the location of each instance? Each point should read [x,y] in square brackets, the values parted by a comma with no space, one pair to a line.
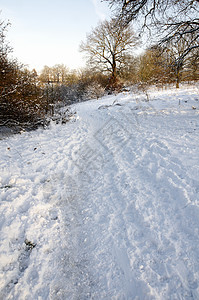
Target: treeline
[160,66]
[64,86]
[28,98]
[153,67]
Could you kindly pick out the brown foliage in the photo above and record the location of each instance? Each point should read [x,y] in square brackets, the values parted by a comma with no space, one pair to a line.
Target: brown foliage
[21,98]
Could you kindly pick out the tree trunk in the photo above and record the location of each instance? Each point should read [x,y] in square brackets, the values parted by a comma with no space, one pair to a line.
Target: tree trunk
[114,71]
[178,77]
[177,81]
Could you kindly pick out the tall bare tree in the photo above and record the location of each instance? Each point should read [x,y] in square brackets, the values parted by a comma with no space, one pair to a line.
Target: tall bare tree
[174,20]
[108,46]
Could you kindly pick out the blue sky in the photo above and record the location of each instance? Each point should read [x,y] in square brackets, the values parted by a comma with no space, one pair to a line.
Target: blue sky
[47,32]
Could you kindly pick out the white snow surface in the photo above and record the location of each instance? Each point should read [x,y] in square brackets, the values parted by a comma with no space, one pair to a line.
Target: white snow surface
[107,205]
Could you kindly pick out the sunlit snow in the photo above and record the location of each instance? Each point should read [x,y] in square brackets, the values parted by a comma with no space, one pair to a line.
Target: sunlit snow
[105,206]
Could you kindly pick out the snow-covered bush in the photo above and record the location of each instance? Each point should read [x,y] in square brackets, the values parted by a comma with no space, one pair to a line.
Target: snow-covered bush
[94,90]
[21,98]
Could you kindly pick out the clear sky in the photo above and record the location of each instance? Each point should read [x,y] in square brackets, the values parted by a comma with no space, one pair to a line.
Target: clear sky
[49,32]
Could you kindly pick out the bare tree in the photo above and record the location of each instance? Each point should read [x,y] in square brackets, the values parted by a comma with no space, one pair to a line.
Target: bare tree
[174,20]
[108,46]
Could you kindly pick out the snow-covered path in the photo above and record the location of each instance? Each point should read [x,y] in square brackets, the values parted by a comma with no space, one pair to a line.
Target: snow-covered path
[105,207]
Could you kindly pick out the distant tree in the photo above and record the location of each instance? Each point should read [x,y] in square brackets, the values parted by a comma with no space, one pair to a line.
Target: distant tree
[155,67]
[46,75]
[129,71]
[108,46]
[56,82]
[191,70]
[58,74]
[180,63]
[175,50]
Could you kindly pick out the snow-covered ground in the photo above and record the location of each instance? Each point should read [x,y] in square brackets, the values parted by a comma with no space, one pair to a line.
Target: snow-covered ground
[105,206]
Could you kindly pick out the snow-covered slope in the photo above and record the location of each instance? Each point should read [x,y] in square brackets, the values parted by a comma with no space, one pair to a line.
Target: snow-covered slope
[105,206]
